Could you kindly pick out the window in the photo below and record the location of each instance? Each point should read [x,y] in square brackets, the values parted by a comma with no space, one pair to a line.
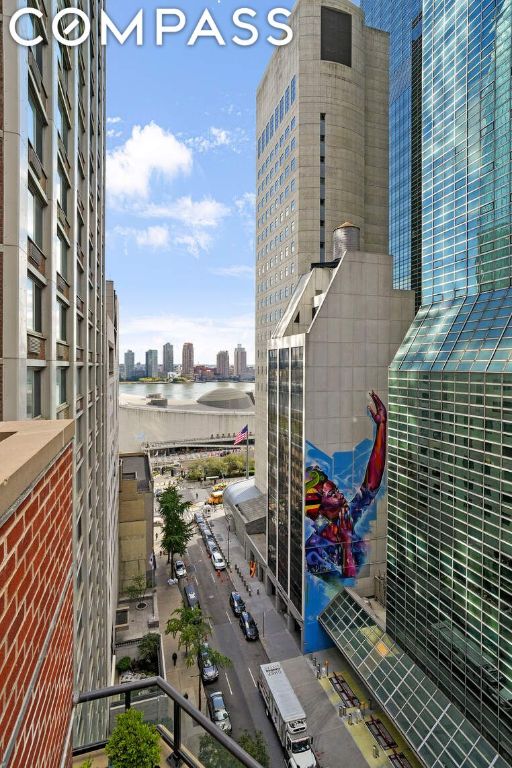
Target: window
[63,315]
[34,306]
[35,219]
[35,125]
[61,382]
[62,124]
[33,393]
[293,88]
[62,190]
[62,256]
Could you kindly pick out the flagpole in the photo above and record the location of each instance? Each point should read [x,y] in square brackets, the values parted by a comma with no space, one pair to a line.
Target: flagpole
[247,456]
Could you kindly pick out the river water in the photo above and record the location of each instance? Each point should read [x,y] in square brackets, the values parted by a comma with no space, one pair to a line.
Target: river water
[189,391]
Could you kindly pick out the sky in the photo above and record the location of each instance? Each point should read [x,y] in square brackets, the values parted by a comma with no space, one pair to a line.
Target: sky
[181,181]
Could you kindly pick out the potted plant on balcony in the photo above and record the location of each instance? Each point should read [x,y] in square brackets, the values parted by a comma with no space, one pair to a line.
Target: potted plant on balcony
[133,742]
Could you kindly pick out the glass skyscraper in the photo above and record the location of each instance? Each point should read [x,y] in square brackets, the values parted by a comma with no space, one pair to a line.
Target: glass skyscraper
[450,436]
[403,21]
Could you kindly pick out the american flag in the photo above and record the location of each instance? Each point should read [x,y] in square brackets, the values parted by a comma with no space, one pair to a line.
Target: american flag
[242,435]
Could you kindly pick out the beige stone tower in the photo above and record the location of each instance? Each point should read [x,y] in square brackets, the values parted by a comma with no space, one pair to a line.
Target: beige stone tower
[322,159]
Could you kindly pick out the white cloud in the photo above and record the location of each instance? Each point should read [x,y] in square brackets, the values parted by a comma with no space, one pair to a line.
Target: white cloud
[235,270]
[198,214]
[113,134]
[195,242]
[218,137]
[207,334]
[113,120]
[152,237]
[245,205]
[149,151]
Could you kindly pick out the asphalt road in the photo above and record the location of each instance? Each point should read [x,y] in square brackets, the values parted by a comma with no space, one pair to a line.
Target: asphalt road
[238,681]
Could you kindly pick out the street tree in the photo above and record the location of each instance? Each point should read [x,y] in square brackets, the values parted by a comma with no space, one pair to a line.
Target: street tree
[214,755]
[137,588]
[193,632]
[176,532]
[148,647]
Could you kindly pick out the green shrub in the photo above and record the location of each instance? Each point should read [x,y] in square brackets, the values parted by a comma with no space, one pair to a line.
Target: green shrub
[133,742]
[124,664]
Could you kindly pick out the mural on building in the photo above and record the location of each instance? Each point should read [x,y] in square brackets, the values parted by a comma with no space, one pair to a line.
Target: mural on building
[336,529]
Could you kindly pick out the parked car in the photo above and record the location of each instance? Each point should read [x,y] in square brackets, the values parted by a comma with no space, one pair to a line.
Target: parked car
[179,569]
[191,597]
[218,712]
[198,518]
[248,626]
[236,603]
[209,670]
[218,561]
[212,547]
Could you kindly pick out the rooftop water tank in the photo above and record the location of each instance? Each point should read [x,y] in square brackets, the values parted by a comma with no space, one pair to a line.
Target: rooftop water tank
[345,238]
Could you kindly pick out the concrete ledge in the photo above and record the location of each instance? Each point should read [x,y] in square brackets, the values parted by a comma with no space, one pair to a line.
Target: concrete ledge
[27,448]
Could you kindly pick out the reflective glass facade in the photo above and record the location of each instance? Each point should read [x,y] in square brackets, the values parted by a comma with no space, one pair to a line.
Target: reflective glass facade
[286,469]
[402,19]
[435,728]
[467,143]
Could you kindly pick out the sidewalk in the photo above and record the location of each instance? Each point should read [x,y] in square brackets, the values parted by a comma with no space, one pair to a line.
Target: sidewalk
[277,641]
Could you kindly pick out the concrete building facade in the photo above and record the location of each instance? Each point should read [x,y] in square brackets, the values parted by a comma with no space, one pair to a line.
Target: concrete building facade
[187,360]
[53,295]
[168,358]
[326,526]
[321,160]
[152,363]
[240,361]
[36,592]
[136,500]
[222,367]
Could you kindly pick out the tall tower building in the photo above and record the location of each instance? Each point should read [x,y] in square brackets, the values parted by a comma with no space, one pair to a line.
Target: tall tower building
[222,367]
[403,21]
[168,358]
[319,163]
[129,365]
[152,363]
[448,623]
[240,361]
[187,359]
[54,352]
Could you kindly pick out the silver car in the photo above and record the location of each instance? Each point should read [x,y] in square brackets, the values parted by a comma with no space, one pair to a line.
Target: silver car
[218,712]
[179,569]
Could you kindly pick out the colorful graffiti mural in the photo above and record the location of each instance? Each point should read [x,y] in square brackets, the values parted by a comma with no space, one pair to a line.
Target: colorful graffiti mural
[336,529]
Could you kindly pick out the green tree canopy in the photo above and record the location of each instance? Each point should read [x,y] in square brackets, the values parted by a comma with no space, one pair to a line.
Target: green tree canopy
[193,631]
[137,587]
[133,742]
[176,532]
[214,755]
[148,650]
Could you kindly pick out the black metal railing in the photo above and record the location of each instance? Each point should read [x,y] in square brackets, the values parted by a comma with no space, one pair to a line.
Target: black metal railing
[180,754]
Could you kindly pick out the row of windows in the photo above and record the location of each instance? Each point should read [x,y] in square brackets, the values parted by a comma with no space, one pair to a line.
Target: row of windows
[278,115]
[280,162]
[282,217]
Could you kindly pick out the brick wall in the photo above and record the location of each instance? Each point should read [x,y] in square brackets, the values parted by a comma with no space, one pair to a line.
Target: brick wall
[36,607]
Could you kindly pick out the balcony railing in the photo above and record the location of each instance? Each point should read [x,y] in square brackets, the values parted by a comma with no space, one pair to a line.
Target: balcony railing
[37,166]
[62,352]
[36,256]
[63,219]
[176,723]
[62,285]
[35,346]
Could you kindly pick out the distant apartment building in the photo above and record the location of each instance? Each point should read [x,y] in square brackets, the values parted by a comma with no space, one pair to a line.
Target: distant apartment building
[129,365]
[110,522]
[36,592]
[53,334]
[320,162]
[168,359]
[152,363]
[222,367]
[240,361]
[187,360]
[135,517]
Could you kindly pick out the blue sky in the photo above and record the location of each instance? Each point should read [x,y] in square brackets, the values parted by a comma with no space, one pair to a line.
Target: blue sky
[180,181]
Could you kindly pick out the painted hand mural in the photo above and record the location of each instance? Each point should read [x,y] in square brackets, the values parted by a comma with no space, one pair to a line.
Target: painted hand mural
[337,528]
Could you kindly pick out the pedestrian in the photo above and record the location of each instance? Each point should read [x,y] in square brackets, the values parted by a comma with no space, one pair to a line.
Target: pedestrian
[185,695]
[174,658]
[197,496]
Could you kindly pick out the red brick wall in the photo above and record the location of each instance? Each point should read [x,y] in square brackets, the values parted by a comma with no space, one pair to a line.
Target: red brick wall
[35,558]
